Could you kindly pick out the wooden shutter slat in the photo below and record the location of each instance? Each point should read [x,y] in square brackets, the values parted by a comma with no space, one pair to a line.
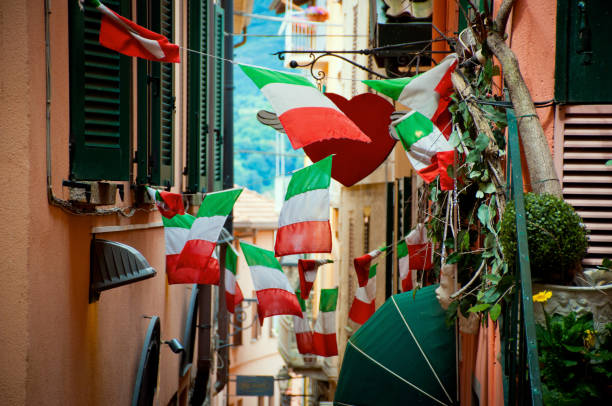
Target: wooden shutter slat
[585,133]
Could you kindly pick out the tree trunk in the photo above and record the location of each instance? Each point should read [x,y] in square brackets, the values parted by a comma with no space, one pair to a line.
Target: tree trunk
[537,153]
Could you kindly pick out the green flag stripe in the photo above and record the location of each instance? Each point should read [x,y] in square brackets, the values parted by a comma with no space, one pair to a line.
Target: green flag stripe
[179,220]
[219,203]
[372,271]
[329,297]
[413,128]
[300,300]
[262,77]
[315,176]
[231,259]
[402,249]
[259,256]
[390,87]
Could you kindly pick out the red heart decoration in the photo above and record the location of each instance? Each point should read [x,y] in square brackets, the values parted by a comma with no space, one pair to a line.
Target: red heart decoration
[354,160]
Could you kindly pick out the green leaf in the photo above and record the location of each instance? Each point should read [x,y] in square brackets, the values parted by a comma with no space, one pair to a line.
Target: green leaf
[484,215]
[454,140]
[492,277]
[488,188]
[495,311]
[482,142]
[573,348]
[473,156]
[609,162]
[453,258]
[450,170]
[479,307]
[479,194]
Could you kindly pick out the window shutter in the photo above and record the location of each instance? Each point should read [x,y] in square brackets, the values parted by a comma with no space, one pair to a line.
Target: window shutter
[583,52]
[197,121]
[583,144]
[99,99]
[155,102]
[219,95]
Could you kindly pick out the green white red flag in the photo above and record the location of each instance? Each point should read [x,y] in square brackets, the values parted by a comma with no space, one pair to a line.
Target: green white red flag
[176,233]
[274,293]
[307,268]
[428,151]
[169,204]
[301,326]
[324,337]
[364,303]
[428,93]
[303,224]
[128,38]
[420,249]
[305,113]
[362,265]
[407,275]
[193,262]
[233,293]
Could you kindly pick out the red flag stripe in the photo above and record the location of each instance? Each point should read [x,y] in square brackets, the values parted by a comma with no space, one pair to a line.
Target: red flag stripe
[303,238]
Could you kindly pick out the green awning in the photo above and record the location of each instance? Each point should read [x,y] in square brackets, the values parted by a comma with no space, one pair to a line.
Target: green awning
[403,355]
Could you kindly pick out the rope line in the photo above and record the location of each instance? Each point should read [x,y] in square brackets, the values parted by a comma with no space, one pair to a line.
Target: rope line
[421,349]
[394,374]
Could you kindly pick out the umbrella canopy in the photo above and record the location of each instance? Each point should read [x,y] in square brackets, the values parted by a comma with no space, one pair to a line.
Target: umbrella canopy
[403,355]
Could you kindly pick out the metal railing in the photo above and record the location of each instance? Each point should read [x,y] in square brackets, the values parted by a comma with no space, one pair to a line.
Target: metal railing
[519,345]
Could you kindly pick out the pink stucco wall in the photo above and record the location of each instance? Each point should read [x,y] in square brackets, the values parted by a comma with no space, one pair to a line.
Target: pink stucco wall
[57,349]
[532,37]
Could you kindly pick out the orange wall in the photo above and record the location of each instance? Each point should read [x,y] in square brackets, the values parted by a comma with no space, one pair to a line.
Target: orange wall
[532,30]
[57,348]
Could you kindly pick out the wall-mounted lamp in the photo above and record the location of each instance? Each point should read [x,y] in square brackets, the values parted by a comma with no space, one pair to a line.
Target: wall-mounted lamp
[175,345]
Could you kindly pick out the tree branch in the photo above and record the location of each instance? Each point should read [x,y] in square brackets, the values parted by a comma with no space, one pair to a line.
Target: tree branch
[502,16]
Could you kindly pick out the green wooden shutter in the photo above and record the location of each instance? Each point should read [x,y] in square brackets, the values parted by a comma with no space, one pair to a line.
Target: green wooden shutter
[197,117]
[155,102]
[583,52]
[219,93]
[464,5]
[99,99]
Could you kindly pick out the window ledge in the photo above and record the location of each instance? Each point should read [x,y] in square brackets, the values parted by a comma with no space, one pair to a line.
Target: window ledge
[93,193]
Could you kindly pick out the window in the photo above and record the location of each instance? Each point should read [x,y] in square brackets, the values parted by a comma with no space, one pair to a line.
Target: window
[99,99]
[583,52]
[237,327]
[197,96]
[156,101]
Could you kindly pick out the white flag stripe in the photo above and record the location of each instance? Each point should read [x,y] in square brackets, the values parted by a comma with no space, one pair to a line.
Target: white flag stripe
[150,45]
[230,282]
[310,276]
[302,96]
[207,228]
[175,237]
[269,278]
[418,235]
[326,323]
[308,206]
[300,325]
[404,266]
[419,94]
[362,295]
[371,288]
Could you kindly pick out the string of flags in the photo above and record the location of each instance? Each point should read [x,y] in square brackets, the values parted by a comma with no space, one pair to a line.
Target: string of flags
[307,117]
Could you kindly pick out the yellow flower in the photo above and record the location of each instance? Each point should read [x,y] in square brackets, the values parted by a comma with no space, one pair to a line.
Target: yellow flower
[543,296]
[589,339]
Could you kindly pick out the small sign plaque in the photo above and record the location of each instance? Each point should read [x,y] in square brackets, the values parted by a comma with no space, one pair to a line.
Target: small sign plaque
[247,385]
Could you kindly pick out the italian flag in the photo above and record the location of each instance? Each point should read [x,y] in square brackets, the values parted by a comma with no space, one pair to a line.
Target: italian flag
[193,262]
[301,326]
[364,303]
[427,149]
[303,224]
[420,249]
[169,204]
[428,93]
[362,265]
[128,38]
[305,113]
[233,294]
[176,233]
[407,276]
[307,268]
[274,293]
[324,337]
